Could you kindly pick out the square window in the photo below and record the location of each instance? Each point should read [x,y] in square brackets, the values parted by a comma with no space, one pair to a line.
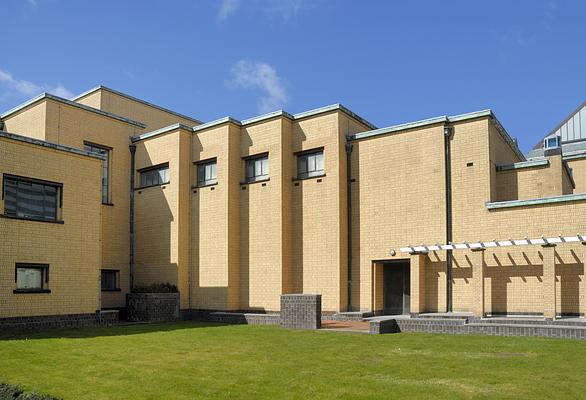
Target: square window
[109,279]
[32,277]
[207,173]
[257,168]
[310,164]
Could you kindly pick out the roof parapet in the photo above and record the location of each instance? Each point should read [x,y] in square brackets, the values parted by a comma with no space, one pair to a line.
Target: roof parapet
[49,96]
[253,120]
[102,87]
[50,145]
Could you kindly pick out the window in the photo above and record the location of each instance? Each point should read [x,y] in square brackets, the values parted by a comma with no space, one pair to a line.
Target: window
[310,164]
[109,279]
[552,142]
[257,168]
[206,173]
[103,151]
[30,198]
[154,176]
[32,277]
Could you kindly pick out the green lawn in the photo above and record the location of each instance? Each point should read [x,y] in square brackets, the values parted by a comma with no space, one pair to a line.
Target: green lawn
[190,360]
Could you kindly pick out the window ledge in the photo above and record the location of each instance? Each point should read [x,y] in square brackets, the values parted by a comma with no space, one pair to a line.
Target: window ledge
[257,181]
[31,291]
[32,219]
[150,186]
[112,290]
[309,177]
[204,186]
[108,204]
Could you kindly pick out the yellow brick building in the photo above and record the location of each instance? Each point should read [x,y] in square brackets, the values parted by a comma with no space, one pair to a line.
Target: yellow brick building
[236,213]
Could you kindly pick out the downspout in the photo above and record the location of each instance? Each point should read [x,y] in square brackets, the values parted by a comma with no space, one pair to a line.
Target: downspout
[448,132]
[131,258]
[349,218]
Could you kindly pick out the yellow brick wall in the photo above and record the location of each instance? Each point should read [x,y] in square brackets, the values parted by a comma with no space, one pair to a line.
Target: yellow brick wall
[316,213]
[30,121]
[578,167]
[72,126]
[398,197]
[72,249]
[260,220]
[162,214]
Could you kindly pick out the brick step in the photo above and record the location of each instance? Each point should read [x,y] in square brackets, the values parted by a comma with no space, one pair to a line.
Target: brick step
[478,327]
[532,321]
[354,316]
[244,318]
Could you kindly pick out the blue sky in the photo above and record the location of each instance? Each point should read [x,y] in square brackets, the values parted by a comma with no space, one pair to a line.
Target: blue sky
[389,61]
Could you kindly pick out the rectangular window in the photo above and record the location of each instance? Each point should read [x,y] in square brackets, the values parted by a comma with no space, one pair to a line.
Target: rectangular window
[109,279]
[32,277]
[103,151]
[207,173]
[30,198]
[310,164]
[154,176]
[257,168]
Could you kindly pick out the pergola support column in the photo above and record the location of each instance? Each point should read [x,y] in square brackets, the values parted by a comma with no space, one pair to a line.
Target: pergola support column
[418,267]
[549,292]
[478,267]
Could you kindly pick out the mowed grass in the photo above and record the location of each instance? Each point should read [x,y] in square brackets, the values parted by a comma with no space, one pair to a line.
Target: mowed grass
[190,360]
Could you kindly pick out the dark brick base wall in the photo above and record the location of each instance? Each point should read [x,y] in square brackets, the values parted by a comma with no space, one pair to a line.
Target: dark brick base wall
[462,327]
[301,311]
[152,307]
[43,322]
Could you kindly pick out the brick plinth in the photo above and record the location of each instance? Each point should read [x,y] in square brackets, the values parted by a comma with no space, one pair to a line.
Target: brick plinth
[301,311]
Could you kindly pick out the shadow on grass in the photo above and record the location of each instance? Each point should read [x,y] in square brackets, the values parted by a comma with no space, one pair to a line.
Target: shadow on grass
[118,330]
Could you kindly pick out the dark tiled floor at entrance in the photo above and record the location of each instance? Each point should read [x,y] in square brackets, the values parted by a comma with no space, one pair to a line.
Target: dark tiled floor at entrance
[349,325]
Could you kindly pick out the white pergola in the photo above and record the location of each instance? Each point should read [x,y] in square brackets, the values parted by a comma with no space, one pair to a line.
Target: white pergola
[543,241]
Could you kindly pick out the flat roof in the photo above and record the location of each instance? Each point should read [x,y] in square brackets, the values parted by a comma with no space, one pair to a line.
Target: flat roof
[49,96]
[49,145]
[253,120]
[442,119]
[102,87]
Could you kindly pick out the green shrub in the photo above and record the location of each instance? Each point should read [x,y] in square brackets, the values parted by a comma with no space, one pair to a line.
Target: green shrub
[9,392]
[13,392]
[156,288]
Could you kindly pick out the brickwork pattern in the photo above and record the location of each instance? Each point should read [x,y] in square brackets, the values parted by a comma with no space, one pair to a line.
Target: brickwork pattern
[21,324]
[301,311]
[152,307]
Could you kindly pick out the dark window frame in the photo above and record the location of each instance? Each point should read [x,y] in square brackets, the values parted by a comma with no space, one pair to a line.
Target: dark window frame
[45,279]
[153,168]
[58,201]
[117,280]
[203,164]
[252,159]
[108,199]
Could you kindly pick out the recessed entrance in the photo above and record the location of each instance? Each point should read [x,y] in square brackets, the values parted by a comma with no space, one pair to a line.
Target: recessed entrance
[396,288]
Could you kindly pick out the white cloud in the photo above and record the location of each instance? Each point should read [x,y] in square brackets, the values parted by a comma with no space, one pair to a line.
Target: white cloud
[228,7]
[33,3]
[23,88]
[260,75]
[283,10]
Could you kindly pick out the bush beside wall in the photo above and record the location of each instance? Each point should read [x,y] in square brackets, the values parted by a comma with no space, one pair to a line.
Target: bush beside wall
[13,392]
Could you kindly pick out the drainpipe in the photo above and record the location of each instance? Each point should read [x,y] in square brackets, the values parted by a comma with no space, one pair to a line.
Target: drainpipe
[448,132]
[131,258]
[349,218]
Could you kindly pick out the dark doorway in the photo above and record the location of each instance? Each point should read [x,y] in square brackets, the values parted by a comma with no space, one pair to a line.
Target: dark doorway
[396,288]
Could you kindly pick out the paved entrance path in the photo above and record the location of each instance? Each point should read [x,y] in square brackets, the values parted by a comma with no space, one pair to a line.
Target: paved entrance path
[346,326]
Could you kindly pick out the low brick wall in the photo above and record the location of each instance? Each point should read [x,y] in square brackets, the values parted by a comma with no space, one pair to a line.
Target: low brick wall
[44,322]
[152,307]
[301,311]
[244,318]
